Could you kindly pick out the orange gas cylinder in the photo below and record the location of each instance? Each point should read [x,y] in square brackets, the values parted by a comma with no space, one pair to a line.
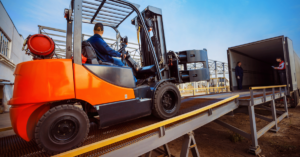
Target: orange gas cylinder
[41,45]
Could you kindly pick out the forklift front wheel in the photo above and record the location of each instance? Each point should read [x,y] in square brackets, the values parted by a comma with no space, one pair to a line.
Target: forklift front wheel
[166,101]
[62,128]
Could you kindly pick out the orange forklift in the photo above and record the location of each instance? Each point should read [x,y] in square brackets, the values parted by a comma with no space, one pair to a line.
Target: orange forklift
[48,91]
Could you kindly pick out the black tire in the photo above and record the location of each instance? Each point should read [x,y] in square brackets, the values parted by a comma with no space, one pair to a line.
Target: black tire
[295,102]
[62,128]
[167,100]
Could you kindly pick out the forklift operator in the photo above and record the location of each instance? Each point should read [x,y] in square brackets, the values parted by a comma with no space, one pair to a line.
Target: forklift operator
[104,52]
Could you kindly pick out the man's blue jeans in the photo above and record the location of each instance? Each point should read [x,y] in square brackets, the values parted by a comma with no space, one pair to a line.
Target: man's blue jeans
[120,63]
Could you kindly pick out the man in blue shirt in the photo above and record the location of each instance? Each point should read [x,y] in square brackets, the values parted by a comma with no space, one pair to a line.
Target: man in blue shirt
[103,51]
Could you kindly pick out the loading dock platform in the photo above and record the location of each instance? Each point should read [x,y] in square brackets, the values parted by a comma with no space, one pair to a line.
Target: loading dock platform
[140,136]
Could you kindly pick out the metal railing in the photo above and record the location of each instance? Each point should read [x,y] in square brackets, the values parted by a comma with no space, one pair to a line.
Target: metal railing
[264,91]
[60,42]
[159,125]
[219,81]
[206,90]
[247,105]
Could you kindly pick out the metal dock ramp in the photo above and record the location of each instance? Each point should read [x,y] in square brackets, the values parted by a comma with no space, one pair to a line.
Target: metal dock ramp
[140,136]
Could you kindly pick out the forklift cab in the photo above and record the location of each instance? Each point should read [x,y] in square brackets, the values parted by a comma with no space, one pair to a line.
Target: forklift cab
[120,76]
[47,92]
[114,74]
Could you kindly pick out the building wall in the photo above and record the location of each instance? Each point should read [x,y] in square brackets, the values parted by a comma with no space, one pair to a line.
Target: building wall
[16,55]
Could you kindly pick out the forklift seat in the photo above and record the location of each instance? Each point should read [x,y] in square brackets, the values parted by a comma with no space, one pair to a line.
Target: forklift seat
[89,52]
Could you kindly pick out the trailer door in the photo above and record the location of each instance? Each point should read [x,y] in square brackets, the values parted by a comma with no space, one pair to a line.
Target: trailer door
[297,67]
[291,64]
[232,80]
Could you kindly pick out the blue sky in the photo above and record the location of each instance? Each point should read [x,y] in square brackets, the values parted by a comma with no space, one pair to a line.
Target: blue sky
[189,24]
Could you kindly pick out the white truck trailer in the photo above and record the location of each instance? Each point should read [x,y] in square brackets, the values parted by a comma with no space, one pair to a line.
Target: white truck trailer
[257,60]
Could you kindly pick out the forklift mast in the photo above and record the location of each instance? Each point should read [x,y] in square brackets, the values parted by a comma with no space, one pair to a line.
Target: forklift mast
[173,66]
[154,23]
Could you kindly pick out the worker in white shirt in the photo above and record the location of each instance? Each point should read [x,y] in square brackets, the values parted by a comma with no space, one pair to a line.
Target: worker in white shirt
[281,70]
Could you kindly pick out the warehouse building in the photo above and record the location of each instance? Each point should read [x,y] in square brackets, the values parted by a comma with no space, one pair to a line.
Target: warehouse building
[11,54]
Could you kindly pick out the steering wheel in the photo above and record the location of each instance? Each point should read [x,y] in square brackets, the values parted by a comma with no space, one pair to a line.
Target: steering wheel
[124,42]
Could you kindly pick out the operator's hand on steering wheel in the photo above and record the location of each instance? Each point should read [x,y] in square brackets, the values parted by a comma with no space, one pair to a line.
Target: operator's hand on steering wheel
[124,55]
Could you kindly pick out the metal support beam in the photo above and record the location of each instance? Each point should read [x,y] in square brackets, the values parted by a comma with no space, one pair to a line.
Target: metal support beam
[216,69]
[124,19]
[280,91]
[275,128]
[69,39]
[50,28]
[164,152]
[100,17]
[115,4]
[97,11]
[273,93]
[100,20]
[167,150]
[108,7]
[263,118]
[40,30]
[77,31]
[149,154]
[264,92]
[104,10]
[189,143]
[270,109]
[162,131]
[223,64]
[270,125]
[103,14]
[285,106]
[254,148]
[251,98]
[210,112]
[234,129]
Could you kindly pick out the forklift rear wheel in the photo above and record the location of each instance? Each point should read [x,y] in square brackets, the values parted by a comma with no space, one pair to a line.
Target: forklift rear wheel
[295,100]
[62,128]
[166,101]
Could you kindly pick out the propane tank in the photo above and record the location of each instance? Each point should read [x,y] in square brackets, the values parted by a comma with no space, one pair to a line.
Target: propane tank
[40,46]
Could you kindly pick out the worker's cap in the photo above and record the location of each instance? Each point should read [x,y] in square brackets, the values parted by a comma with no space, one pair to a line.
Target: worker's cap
[98,27]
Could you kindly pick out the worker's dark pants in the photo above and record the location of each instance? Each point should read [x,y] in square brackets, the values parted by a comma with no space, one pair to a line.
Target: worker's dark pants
[240,83]
[282,77]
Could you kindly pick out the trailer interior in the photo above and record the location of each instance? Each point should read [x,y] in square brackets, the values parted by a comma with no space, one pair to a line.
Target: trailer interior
[257,60]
